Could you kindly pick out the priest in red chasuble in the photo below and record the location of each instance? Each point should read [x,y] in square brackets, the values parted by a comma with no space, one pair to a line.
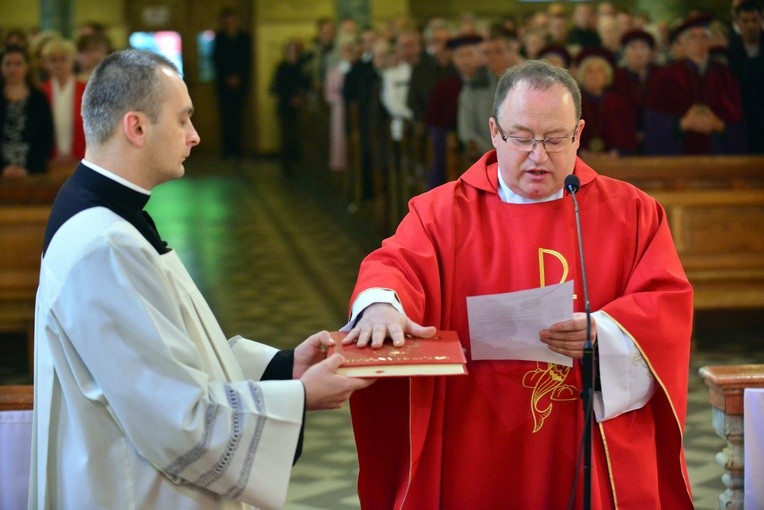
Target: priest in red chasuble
[507,435]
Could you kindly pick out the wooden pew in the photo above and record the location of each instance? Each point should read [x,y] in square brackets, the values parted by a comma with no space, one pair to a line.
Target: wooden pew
[715,207]
[16,398]
[683,172]
[24,209]
[21,236]
[720,239]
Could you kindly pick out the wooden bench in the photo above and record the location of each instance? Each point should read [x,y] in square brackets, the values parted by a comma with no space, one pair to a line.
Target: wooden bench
[22,229]
[16,398]
[684,173]
[24,209]
[715,206]
[720,239]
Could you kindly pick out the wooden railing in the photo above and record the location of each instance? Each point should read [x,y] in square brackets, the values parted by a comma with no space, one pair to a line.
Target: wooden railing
[24,209]
[16,398]
[726,385]
[715,206]
[684,173]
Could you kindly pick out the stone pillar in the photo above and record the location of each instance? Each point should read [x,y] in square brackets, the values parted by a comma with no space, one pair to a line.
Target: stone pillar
[57,15]
[726,385]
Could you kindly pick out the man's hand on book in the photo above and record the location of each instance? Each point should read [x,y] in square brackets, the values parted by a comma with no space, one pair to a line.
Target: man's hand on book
[380,321]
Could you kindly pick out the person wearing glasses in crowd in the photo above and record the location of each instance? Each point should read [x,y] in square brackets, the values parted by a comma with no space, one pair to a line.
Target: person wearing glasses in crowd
[510,430]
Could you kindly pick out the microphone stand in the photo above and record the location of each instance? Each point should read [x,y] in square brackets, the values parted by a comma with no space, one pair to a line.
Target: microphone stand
[572,184]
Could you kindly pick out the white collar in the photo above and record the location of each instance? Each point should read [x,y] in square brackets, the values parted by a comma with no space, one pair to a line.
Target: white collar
[510,197]
[115,177]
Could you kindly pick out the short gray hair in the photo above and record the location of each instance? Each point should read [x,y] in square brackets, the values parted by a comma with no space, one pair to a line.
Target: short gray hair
[537,74]
[124,81]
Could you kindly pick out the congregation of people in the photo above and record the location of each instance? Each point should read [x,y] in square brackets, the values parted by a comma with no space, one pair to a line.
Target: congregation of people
[43,78]
[410,93]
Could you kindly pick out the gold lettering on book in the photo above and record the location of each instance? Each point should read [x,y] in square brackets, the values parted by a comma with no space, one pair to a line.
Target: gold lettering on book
[548,384]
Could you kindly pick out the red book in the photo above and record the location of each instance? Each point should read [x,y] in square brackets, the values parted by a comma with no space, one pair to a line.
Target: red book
[441,354]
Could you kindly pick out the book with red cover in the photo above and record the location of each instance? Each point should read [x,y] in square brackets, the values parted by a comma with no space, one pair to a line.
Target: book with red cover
[441,354]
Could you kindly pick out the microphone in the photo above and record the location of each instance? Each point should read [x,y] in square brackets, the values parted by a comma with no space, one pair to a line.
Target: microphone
[572,184]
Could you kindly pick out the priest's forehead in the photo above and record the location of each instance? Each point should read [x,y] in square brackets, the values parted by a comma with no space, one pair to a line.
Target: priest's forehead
[531,107]
[535,74]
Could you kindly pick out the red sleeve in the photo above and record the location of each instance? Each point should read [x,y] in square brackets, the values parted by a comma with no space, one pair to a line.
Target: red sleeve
[656,310]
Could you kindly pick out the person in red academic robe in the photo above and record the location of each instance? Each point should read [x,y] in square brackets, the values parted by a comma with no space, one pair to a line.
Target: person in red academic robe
[636,77]
[507,435]
[611,123]
[695,105]
[442,107]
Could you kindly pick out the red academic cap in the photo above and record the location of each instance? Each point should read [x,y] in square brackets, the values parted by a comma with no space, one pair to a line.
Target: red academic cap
[696,20]
[637,34]
[555,49]
[595,51]
[463,40]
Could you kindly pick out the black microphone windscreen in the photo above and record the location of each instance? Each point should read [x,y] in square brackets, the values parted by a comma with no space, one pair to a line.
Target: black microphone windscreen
[572,183]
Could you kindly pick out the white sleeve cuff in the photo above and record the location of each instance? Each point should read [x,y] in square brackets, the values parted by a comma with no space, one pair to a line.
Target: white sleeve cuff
[626,380]
[369,297]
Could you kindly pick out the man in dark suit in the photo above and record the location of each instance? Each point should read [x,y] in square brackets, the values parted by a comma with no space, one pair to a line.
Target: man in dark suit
[233,66]
[747,64]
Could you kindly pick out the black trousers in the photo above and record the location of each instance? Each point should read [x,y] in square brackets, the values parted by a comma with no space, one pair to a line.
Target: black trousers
[232,104]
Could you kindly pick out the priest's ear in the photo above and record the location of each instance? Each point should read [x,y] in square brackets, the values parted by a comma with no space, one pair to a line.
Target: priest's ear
[579,129]
[134,127]
[493,127]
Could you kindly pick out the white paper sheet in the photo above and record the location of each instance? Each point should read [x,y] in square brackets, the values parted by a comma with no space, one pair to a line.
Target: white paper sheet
[506,326]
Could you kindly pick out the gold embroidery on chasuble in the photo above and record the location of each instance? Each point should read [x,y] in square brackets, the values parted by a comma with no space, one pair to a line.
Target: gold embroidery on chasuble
[542,265]
[548,384]
[548,379]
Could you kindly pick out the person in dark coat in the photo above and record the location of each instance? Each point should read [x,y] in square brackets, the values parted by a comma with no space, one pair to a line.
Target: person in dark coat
[233,67]
[291,86]
[361,91]
[746,57]
[26,122]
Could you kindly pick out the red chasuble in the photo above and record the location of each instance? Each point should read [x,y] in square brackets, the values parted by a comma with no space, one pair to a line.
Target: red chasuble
[507,435]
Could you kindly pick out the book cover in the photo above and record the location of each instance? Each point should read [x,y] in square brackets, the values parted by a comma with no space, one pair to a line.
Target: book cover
[441,354]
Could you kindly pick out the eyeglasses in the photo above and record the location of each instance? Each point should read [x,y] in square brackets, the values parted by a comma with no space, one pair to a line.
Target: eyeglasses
[526,144]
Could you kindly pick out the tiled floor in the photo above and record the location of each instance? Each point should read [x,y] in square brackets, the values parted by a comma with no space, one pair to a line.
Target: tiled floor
[277,265]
